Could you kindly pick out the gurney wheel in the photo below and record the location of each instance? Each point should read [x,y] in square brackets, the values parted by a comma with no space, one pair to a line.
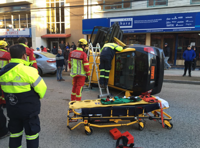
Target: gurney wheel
[140,127]
[87,133]
[169,127]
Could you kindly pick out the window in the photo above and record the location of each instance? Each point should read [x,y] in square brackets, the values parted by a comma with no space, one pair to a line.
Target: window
[134,39]
[55,17]
[153,3]
[2,22]
[114,4]
[195,1]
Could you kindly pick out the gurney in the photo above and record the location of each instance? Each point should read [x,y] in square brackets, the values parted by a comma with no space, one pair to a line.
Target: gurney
[96,114]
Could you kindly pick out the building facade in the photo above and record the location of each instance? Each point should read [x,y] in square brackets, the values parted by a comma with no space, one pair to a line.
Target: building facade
[150,22]
[42,22]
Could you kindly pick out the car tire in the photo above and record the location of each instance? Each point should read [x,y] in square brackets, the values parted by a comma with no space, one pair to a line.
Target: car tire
[40,71]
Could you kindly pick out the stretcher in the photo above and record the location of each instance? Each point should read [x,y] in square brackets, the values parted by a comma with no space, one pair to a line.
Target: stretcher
[95,114]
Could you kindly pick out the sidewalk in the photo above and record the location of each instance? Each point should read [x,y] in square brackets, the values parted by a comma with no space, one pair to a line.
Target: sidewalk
[175,76]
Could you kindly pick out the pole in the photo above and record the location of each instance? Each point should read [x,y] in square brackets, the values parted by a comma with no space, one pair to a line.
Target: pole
[176,48]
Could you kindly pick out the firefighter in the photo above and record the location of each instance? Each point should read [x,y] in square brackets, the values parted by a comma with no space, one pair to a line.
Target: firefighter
[79,66]
[4,60]
[23,88]
[106,56]
[30,55]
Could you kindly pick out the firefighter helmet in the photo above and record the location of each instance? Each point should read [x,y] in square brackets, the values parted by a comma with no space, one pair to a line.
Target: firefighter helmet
[3,43]
[83,42]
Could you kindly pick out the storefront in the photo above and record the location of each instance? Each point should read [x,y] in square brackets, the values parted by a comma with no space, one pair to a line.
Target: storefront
[178,30]
[15,22]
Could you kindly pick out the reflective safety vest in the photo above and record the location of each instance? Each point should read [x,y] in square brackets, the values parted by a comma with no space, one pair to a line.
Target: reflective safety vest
[109,49]
[4,58]
[78,63]
[30,56]
[22,87]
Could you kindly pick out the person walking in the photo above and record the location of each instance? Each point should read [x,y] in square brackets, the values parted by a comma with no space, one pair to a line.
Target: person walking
[106,56]
[79,66]
[188,56]
[167,56]
[194,62]
[23,88]
[30,55]
[59,64]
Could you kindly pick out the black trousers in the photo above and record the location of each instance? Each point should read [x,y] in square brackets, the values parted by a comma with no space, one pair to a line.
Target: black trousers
[187,67]
[194,62]
[32,129]
[3,128]
[104,67]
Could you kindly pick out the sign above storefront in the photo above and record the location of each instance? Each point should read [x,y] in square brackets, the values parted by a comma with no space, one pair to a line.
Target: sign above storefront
[15,8]
[150,23]
[15,33]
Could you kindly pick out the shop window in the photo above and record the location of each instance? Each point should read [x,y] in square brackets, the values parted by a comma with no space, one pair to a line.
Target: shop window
[55,17]
[23,21]
[2,22]
[8,19]
[195,1]
[134,39]
[114,4]
[154,3]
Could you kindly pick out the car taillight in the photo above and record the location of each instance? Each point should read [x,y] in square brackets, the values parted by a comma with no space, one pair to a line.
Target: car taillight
[51,61]
[149,50]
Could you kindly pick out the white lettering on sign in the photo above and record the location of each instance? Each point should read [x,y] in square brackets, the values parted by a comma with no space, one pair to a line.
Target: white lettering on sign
[123,22]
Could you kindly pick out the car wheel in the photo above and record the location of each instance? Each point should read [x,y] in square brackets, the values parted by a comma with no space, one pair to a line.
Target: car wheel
[40,71]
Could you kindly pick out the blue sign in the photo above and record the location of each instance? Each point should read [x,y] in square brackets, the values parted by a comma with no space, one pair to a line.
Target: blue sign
[150,23]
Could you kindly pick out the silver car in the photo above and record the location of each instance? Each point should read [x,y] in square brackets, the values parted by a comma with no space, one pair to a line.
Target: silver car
[46,62]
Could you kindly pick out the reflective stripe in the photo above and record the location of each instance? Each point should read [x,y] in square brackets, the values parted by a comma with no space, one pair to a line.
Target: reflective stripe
[80,94]
[32,137]
[102,69]
[88,72]
[36,82]
[86,64]
[19,147]
[14,83]
[73,93]
[77,74]
[107,77]
[107,70]
[34,61]
[60,58]
[16,134]
[72,68]
[102,76]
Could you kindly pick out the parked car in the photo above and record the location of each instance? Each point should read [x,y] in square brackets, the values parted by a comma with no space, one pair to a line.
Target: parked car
[46,62]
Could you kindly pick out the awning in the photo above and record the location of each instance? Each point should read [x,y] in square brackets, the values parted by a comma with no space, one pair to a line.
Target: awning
[56,36]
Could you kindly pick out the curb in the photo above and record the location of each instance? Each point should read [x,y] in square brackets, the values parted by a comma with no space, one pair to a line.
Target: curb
[182,82]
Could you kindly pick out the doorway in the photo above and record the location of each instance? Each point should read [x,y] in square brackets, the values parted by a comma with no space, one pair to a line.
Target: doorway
[170,40]
[54,43]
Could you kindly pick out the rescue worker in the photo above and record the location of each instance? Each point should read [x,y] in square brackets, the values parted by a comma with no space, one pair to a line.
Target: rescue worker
[23,88]
[106,56]
[79,66]
[30,55]
[4,60]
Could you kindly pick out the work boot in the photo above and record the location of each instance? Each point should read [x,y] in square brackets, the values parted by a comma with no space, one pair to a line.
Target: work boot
[62,80]
[183,75]
[102,86]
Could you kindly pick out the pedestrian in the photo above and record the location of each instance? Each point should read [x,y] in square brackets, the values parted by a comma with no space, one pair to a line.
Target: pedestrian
[4,60]
[62,46]
[106,56]
[23,88]
[55,50]
[30,55]
[67,46]
[73,46]
[188,56]
[43,49]
[66,55]
[38,49]
[79,66]
[194,62]
[3,129]
[167,56]
[59,64]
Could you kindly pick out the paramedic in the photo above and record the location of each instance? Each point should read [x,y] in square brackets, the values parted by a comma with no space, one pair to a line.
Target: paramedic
[106,56]
[4,60]
[23,88]
[30,55]
[79,66]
